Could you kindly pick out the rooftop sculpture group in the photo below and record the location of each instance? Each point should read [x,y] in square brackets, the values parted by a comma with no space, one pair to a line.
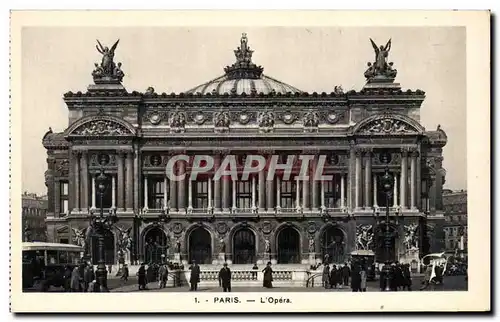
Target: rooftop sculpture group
[380,68]
[107,71]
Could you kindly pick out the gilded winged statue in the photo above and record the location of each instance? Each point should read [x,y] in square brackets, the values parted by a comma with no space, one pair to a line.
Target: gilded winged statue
[107,63]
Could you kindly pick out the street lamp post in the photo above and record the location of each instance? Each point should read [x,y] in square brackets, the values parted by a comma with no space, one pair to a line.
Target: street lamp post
[101,225]
[387,182]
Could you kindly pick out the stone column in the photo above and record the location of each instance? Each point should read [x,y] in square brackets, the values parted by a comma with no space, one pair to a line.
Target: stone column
[173,191]
[165,193]
[368,181]
[404,179]
[297,194]
[210,193]
[358,179]
[113,191]
[190,195]
[305,195]
[146,203]
[322,196]
[93,192]
[270,194]
[136,173]
[413,180]
[395,194]
[121,180]
[351,176]
[314,183]
[217,185]
[342,190]
[129,201]
[77,180]
[226,194]
[375,192]
[85,181]
[262,191]
[181,186]
[233,182]
[254,197]
[278,193]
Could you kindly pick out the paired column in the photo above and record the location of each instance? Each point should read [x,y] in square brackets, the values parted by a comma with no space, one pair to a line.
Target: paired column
[113,192]
[190,194]
[368,181]
[173,192]
[217,199]
[404,178]
[297,194]
[129,200]
[315,184]
[76,155]
[181,186]
[121,180]
[226,194]
[146,201]
[262,191]
[93,192]
[234,195]
[322,197]
[270,194]
[210,194]
[85,181]
[413,180]
[358,179]
[342,190]
[278,193]
[165,194]
[254,197]
[375,192]
[395,193]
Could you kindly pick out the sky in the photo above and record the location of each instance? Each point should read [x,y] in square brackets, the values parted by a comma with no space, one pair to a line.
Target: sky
[56,60]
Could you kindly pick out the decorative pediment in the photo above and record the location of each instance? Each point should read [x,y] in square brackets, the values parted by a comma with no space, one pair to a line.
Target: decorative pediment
[100,126]
[388,124]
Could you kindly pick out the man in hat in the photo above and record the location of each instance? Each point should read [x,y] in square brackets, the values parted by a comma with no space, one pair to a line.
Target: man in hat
[141,274]
[225,278]
[195,276]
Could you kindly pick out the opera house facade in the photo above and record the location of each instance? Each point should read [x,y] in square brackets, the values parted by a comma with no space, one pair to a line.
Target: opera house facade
[131,136]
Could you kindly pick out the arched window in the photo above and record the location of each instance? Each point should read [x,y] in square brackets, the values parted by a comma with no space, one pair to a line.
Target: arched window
[155,245]
[200,246]
[288,246]
[244,247]
[333,245]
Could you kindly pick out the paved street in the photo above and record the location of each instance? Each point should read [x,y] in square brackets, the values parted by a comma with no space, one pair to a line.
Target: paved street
[451,283]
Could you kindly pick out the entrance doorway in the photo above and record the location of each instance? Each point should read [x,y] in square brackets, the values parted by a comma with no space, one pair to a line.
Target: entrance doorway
[288,246]
[155,245]
[386,247]
[333,245]
[200,246]
[244,247]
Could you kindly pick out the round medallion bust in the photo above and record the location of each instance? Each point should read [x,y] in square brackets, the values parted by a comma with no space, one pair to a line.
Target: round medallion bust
[155,118]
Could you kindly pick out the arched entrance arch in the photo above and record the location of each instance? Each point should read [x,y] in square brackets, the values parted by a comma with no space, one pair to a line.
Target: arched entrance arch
[109,248]
[155,245]
[244,246]
[333,245]
[385,249]
[200,246]
[288,246]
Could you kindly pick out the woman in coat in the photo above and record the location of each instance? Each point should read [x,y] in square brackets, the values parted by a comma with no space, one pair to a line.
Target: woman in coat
[75,280]
[326,276]
[362,284]
[141,274]
[268,276]
[334,276]
[355,278]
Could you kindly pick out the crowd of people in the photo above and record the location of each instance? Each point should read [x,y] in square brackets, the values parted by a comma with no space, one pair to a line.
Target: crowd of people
[81,278]
[339,277]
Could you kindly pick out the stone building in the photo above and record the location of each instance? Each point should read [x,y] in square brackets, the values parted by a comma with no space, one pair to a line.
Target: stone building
[245,112]
[33,217]
[455,225]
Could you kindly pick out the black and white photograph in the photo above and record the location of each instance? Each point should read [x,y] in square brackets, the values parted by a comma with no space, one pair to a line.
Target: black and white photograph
[250,166]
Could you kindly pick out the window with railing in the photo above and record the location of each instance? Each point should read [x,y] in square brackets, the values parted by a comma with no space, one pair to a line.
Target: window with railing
[107,194]
[64,197]
[244,194]
[288,194]
[332,192]
[156,190]
[200,195]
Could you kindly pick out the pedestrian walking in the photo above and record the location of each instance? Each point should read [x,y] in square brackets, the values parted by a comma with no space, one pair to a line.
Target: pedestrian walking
[162,276]
[362,284]
[75,279]
[141,274]
[406,277]
[195,276]
[268,276]
[125,273]
[225,278]
[326,276]
[355,278]
[334,276]
[346,272]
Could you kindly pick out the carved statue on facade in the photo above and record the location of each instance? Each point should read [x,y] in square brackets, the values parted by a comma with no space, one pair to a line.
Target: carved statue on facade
[178,245]
[107,68]
[222,121]
[311,121]
[266,121]
[222,244]
[79,237]
[311,245]
[411,238]
[380,67]
[101,127]
[386,126]
[338,90]
[177,122]
[125,240]
[364,237]
[267,244]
